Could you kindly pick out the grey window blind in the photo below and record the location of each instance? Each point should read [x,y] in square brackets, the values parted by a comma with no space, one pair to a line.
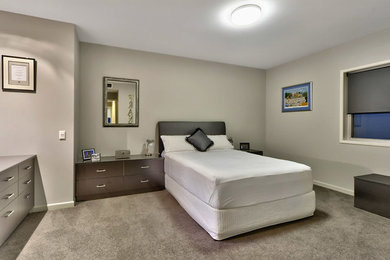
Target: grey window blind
[369,91]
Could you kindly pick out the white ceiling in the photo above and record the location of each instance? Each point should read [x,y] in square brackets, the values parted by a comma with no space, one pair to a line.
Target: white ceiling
[288,29]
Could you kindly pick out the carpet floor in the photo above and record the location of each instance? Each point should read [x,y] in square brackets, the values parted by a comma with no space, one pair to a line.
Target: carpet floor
[154,226]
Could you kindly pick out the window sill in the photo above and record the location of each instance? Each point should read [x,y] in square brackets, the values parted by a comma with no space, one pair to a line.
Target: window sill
[369,142]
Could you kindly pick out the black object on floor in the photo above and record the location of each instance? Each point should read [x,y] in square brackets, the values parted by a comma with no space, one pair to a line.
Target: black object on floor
[372,193]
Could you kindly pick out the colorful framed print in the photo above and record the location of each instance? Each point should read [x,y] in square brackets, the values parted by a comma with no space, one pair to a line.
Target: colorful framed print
[18,74]
[87,153]
[297,97]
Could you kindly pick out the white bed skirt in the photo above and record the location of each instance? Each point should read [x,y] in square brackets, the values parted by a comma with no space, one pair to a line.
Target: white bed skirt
[224,223]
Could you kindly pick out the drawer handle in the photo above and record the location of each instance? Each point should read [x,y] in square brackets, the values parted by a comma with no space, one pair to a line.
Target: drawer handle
[145,167]
[101,170]
[101,186]
[9,196]
[28,182]
[10,178]
[28,167]
[145,181]
[9,213]
[28,196]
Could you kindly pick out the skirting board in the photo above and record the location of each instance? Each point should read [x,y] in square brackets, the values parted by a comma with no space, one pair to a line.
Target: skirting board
[52,206]
[333,187]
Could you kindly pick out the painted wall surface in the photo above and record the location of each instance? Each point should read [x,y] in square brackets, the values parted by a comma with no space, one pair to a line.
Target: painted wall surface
[171,88]
[30,121]
[313,137]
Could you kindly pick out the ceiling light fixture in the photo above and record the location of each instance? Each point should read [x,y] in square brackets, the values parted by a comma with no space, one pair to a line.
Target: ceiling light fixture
[246,14]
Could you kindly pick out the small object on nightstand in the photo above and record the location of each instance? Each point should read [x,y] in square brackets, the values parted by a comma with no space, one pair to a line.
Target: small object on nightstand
[149,147]
[95,157]
[122,154]
[87,153]
[244,146]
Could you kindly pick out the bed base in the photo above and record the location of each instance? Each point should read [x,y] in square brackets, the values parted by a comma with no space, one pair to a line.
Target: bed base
[224,223]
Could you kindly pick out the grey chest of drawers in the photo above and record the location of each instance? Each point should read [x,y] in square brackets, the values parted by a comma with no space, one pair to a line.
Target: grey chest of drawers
[16,191]
[116,177]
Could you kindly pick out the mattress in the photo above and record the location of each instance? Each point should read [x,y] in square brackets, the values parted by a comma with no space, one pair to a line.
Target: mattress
[226,179]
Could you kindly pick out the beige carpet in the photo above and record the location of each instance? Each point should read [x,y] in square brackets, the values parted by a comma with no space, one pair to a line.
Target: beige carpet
[153,226]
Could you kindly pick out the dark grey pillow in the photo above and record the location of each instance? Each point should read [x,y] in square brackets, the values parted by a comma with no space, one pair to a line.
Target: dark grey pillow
[199,140]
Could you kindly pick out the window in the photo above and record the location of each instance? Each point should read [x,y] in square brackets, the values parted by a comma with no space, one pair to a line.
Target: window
[365,105]
[374,126]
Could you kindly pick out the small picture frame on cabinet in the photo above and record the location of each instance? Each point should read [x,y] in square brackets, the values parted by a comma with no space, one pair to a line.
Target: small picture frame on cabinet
[95,157]
[244,146]
[87,153]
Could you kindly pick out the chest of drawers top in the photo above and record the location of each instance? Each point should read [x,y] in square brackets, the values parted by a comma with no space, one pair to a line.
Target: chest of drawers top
[110,167]
[7,162]
[113,159]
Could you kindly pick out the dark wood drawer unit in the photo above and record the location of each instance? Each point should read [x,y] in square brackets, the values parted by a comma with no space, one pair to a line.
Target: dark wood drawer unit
[99,170]
[258,152]
[116,177]
[372,193]
[141,182]
[16,192]
[99,186]
[136,167]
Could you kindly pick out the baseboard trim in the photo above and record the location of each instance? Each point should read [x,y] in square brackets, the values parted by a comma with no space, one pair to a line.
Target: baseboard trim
[52,206]
[334,187]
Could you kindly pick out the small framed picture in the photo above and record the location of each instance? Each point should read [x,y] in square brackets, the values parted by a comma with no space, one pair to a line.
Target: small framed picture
[297,97]
[18,74]
[244,146]
[95,157]
[87,153]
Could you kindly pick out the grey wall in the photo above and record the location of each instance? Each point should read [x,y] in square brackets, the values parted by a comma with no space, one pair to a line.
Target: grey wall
[30,121]
[313,137]
[171,88]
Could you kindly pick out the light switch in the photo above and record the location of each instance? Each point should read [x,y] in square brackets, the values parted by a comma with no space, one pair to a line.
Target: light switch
[62,135]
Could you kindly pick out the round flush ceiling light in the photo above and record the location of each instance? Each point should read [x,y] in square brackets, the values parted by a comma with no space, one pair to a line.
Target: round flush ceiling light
[246,14]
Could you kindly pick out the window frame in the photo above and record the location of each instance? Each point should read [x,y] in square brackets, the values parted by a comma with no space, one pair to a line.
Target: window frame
[345,119]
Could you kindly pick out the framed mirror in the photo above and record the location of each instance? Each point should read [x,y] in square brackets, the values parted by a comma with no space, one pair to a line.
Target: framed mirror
[120,102]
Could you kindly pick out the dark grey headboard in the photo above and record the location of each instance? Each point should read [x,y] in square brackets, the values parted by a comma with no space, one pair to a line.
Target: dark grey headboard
[187,128]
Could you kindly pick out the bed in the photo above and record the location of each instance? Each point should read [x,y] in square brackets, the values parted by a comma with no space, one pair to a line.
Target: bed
[230,192]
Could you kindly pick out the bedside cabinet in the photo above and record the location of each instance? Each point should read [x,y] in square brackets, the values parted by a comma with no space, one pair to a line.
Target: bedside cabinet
[258,152]
[372,193]
[116,177]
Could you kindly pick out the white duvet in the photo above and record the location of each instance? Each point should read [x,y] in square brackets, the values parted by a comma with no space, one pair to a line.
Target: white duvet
[229,178]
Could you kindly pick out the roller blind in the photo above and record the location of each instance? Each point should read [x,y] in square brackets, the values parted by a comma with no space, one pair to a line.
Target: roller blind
[369,91]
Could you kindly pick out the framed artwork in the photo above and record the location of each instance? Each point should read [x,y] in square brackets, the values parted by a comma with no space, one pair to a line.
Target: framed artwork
[297,97]
[87,153]
[18,74]
[244,146]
